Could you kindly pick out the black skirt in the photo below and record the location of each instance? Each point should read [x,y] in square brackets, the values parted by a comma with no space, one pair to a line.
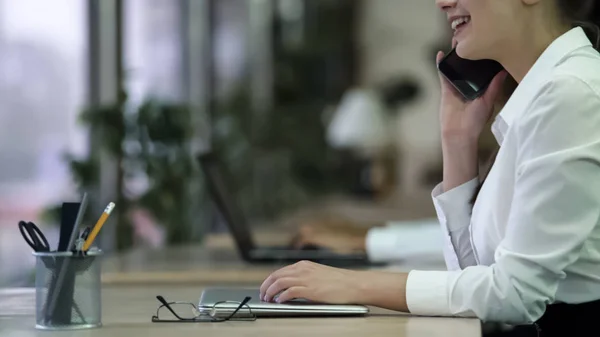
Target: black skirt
[559,320]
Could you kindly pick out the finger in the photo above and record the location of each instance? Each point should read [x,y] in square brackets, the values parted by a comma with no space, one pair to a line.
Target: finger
[439,57]
[287,271]
[444,83]
[292,293]
[495,87]
[280,285]
[268,282]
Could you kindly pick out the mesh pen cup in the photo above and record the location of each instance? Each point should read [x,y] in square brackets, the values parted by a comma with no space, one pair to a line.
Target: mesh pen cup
[68,290]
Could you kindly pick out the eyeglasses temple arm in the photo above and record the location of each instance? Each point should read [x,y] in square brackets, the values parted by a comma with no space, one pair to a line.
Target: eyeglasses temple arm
[166,304]
[243,303]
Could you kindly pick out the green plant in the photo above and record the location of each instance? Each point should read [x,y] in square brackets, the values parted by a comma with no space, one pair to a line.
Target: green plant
[155,171]
[165,136]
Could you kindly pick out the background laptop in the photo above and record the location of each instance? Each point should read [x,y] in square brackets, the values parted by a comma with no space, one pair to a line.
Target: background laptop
[239,229]
[211,296]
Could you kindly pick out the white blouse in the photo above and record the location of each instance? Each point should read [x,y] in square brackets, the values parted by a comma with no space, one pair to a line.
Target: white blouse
[532,237]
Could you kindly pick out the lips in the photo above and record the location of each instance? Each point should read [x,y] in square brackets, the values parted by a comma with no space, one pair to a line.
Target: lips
[458,21]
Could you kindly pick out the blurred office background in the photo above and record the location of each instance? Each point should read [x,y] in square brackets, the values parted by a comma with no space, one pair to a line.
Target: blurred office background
[303,100]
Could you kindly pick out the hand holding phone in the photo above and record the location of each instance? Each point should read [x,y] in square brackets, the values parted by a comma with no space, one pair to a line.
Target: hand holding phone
[469,90]
[470,78]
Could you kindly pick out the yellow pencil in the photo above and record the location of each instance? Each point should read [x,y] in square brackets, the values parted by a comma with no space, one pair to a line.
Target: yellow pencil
[98,226]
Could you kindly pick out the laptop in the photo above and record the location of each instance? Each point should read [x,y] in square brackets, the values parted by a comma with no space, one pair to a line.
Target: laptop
[239,229]
[221,302]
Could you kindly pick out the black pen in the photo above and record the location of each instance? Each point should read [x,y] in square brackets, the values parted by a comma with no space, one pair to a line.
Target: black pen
[82,237]
[85,233]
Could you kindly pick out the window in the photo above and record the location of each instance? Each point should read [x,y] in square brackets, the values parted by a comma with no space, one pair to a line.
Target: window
[43,87]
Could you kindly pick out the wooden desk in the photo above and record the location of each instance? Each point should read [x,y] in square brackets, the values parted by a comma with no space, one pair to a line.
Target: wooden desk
[132,280]
[126,311]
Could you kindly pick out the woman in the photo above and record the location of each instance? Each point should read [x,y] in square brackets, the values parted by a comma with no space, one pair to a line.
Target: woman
[527,248]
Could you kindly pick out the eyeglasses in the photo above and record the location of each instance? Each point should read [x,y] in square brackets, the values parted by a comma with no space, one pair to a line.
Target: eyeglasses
[187,312]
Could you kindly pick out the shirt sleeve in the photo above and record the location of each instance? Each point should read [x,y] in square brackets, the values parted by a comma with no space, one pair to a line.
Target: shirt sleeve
[453,209]
[553,212]
[401,240]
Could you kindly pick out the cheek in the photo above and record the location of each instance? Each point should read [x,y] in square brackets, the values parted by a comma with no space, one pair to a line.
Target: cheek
[481,38]
[483,15]
[491,25]
[492,19]
[482,30]
[490,35]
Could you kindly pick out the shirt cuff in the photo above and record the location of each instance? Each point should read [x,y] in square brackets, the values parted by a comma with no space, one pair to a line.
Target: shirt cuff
[427,293]
[454,207]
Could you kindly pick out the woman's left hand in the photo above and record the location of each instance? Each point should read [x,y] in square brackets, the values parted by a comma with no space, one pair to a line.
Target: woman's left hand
[313,282]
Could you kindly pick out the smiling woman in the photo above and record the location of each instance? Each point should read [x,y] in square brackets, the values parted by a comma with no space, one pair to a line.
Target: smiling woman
[526,252]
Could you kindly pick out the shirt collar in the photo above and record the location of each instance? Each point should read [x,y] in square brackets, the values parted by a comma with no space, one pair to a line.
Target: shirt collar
[526,91]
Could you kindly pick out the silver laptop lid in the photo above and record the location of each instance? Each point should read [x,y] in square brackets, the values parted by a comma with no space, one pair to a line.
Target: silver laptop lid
[212,296]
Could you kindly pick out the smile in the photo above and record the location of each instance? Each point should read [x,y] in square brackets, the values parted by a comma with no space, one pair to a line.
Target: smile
[459,23]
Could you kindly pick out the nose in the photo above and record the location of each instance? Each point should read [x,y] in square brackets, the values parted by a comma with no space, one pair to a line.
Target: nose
[446,4]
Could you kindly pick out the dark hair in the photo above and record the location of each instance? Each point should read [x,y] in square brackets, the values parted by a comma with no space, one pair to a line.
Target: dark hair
[583,13]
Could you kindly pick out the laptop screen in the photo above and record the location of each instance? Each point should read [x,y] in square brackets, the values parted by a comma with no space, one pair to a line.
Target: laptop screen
[225,203]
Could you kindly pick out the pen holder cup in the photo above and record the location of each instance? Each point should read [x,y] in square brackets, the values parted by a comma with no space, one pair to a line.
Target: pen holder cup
[68,289]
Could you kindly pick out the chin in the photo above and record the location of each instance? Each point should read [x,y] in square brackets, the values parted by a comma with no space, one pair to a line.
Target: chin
[465,50]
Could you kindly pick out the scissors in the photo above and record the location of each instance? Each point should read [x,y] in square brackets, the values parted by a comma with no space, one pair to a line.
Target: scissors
[81,240]
[34,236]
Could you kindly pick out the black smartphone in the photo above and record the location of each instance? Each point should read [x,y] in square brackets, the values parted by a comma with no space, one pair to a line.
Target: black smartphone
[470,78]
